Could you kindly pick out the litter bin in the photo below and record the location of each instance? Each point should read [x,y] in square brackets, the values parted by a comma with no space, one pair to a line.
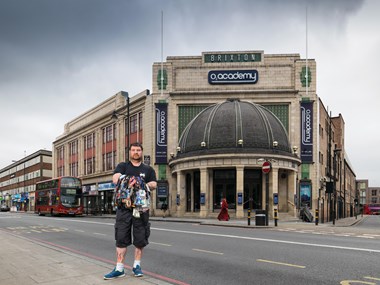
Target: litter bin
[260,218]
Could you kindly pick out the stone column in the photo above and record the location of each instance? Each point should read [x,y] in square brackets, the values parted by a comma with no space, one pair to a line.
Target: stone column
[239,188]
[99,150]
[80,156]
[66,159]
[206,191]
[181,191]
[292,191]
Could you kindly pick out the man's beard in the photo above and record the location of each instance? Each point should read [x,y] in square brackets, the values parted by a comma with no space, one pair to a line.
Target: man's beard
[138,159]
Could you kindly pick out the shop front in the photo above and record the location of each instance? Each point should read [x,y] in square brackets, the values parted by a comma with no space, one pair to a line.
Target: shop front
[90,199]
[106,193]
[20,202]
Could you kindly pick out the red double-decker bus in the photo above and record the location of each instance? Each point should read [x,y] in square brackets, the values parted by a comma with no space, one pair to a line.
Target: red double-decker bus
[372,209]
[59,196]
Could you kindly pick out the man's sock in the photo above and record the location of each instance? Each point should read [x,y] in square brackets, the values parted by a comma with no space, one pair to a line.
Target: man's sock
[137,262]
[119,266]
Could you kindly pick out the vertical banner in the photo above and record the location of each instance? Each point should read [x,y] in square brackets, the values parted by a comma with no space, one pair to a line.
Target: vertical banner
[161,133]
[305,194]
[307,132]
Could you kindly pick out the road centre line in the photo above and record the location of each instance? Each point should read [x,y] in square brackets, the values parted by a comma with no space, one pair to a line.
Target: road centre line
[164,244]
[207,251]
[271,240]
[280,263]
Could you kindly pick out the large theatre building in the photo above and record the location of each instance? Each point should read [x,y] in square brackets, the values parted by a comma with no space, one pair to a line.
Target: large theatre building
[208,127]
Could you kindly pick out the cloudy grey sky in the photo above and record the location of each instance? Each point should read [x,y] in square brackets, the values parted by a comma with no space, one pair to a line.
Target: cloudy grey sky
[59,58]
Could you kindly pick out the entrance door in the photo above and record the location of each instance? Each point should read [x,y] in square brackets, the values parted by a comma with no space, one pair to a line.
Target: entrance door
[195,186]
[188,193]
[252,189]
[225,187]
[197,191]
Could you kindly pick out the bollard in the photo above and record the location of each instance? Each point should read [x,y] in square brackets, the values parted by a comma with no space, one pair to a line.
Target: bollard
[316,216]
[249,216]
[275,217]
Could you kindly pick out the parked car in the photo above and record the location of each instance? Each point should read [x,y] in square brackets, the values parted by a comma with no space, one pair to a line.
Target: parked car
[4,208]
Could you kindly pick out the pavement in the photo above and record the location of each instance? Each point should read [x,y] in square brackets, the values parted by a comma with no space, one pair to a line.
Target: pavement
[31,261]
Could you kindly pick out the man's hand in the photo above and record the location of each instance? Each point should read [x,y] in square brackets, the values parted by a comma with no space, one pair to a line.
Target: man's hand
[152,185]
[115,178]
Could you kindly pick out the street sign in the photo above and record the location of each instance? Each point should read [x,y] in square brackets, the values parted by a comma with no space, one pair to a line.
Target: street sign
[267,166]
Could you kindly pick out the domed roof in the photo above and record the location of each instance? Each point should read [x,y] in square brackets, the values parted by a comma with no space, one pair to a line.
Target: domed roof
[234,126]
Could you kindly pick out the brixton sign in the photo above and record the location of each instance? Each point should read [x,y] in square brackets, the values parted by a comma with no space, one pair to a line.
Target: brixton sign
[232,57]
[267,166]
[233,76]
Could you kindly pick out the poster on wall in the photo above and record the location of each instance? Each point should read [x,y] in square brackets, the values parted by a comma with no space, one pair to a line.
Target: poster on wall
[305,194]
[162,189]
[161,133]
[307,132]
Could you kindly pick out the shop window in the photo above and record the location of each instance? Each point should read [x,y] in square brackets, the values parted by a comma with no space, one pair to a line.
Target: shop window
[109,133]
[133,124]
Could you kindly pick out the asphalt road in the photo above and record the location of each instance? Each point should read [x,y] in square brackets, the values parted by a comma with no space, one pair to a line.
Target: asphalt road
[187,253]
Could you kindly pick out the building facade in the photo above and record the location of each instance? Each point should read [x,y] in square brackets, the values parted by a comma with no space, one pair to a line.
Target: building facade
[362,186]
[18,180]
[373,195]
[197,133]
[93,144]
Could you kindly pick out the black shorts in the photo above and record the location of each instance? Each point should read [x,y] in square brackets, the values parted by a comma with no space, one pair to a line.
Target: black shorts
[126,224]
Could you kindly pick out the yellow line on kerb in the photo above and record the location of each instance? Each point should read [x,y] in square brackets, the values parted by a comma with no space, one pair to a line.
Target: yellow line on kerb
[280,263]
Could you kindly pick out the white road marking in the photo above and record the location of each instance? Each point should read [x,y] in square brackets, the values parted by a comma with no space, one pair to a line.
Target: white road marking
[372,278]
[272,240]
[280,263]
[207,251]
[164,244]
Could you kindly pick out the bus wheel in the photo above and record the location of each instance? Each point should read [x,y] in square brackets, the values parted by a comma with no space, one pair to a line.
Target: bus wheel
[39,212]
[51,213]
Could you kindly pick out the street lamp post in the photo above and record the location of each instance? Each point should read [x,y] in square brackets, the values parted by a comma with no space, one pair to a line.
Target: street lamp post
[267,165]
[126,96]
[335,179]
[114,117]
[362,200]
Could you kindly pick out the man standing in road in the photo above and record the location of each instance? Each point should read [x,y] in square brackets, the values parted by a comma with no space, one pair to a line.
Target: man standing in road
[133,173]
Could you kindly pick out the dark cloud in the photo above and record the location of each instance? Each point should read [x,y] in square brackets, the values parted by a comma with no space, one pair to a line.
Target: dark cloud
[59,58]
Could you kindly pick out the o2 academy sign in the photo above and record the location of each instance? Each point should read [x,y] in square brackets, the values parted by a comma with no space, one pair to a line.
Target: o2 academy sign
[233,76]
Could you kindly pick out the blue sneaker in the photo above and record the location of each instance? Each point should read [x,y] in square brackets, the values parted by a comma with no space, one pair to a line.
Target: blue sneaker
[114,274]
[137,271]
